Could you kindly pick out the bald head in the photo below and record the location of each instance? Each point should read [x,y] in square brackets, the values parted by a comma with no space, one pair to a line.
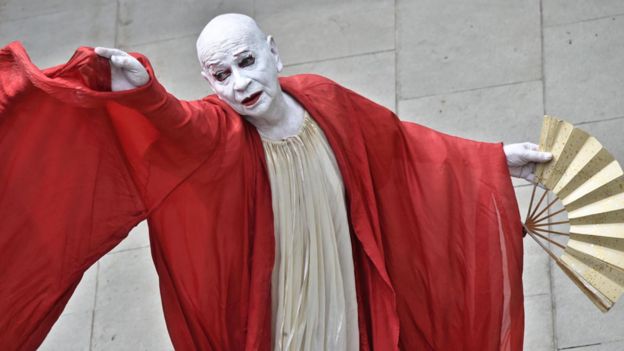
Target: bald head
[225,32]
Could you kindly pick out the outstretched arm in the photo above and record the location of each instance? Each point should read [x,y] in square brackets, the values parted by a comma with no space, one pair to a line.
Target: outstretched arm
[79,168]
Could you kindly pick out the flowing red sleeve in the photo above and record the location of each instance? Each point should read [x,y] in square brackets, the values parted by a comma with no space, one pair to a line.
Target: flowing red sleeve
[79,167]
[450,235]
[471,243]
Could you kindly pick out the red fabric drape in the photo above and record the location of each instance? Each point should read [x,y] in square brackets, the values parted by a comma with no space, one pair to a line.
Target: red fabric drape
[437,244]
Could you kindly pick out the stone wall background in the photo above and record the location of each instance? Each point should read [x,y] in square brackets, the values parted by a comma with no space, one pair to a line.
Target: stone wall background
[481,69]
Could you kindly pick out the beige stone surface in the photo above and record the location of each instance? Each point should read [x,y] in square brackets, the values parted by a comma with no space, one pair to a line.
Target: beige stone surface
[539,327]
[378,85]
[509,113]
[450,46]
[137,238]
[51,38]
[481,69]
[128,312]
[176,66]
[558,12]
[72,332]
[308,32]
[149,21]
[583,69]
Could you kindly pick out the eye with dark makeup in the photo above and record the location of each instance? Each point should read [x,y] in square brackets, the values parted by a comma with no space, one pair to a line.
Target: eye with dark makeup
[221,75]
[247,61]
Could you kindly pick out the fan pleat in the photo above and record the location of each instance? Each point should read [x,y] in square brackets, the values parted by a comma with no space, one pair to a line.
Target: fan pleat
[611,230]
[605,249]
[607,198]
[601,301]
[608,181]
[575,141]
[616,216]
[581,169]
[599,274]
[554,169]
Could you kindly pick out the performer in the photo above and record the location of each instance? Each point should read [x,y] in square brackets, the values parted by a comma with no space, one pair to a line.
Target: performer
[286,214]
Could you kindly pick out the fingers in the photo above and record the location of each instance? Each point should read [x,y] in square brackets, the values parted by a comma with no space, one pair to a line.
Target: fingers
[109,52]
[530,146]
[126,71]
[118,58]
[536,156]
[127,63]
[122,62]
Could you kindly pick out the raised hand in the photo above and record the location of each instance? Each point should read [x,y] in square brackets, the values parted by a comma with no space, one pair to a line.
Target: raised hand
[522,158]
[126,71]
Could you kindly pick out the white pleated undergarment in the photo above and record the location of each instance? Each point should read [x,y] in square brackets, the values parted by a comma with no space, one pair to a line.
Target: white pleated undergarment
[313,284]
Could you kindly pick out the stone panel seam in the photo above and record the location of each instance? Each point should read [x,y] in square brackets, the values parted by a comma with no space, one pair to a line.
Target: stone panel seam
[471,89]
[609,119]
[583,21]
[128,249]
[579,346]
[159,41]
[339,58]
[117,22]
[97,277]
[396,60]
[536,295]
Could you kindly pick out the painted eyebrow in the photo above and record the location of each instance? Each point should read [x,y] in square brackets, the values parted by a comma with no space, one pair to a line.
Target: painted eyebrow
[210,65]
[241,52]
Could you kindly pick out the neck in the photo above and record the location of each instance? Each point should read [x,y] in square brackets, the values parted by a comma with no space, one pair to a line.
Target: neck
[282,120]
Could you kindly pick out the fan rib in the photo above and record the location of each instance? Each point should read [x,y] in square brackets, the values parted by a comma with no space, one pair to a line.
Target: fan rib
[599,300]
[538,204]
[546,208]
[535,230]
[550,215]
[549,240]
[602,302]
[548,251]
[531,202]
[550,223]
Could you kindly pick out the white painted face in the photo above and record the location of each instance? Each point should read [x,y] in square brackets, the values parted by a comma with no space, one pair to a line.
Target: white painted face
[240,63]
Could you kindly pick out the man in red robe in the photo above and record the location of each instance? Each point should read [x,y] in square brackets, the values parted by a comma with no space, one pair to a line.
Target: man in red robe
[435,238]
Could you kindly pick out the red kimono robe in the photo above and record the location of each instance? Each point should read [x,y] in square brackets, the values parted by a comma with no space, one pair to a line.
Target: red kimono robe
[437,243]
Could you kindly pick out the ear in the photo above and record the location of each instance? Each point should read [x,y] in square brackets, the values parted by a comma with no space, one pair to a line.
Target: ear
[205,75]
[275,53]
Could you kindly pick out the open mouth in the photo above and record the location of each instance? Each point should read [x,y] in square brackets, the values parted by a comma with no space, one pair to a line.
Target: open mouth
[252,99]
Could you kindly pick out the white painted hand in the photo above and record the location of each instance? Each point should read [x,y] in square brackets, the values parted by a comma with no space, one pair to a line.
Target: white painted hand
[126,71]
[522,158]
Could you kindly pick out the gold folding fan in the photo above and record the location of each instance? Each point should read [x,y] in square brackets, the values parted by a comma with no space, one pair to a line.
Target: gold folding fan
[589,184]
